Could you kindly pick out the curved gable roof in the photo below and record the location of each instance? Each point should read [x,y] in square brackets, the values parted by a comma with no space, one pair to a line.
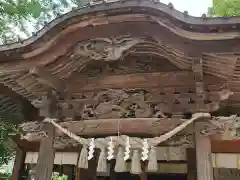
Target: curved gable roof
[194,28]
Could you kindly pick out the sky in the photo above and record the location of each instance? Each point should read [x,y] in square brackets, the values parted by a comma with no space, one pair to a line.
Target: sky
[194,7]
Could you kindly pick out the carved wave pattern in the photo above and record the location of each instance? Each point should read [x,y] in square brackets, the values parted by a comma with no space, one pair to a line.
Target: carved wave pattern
[114,54]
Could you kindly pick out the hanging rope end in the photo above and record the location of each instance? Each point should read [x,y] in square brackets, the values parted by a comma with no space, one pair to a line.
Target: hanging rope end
[49,120]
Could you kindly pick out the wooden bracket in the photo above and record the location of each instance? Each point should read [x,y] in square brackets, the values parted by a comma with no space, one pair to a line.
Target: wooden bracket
[48,104]
[46,78]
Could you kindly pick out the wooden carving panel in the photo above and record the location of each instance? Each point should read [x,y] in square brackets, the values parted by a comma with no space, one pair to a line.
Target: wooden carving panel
[106,49]
[117,55]
[136,103]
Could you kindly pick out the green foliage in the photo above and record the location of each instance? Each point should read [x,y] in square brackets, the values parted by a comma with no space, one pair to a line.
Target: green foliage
[56,176]
[14,14]
[6,146]
[225,8]
[5,176]
[20,18]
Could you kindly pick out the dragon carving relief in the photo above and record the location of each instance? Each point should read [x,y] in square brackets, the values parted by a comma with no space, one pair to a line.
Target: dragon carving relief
[117,104]
[132,103]
[105,49]
[115,55]
[140,103]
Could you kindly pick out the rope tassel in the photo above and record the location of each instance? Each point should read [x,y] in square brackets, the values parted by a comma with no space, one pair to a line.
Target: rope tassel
[120,162]
[102,161]
[136,163]
[83,159]
[152,163]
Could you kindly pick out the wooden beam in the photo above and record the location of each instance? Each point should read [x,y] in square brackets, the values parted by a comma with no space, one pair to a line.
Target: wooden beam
[217,146]
[18,164]
[46,155]
[142,80]
[46,78]
[225,146]
[181,78]
[131,126]
[145,126]
[203,154]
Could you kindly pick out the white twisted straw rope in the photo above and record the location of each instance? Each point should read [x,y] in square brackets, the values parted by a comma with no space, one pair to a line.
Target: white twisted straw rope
[136,143]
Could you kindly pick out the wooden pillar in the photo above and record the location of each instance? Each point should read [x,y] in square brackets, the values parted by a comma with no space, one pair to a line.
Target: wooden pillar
[46,155]
[18,164]
[204,155]
[191,164]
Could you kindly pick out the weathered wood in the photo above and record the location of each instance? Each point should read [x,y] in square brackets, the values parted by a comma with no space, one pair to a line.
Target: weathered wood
[181,78]
[18,164]
[46,78]
[155,102]
[46,155]
[68,32]
[144,126]
[137,80]
[141,126]
[225,146]
[47,105]
[203,154]
[141,80]
[191,164]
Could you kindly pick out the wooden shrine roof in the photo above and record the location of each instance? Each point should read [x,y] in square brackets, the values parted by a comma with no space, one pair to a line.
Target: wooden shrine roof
[127,44]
